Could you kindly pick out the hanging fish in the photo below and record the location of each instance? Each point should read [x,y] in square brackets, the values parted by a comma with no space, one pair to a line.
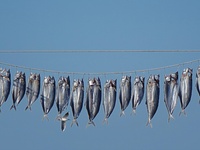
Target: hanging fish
[33,89]
[63,121]
[109,100]
[198,81]
[152,96]
[93,98]
[48,95]
[62,94]
[137,92]
[185,90]
[18,89]
[125,93]
[4,85]
[171,90]
[76,98]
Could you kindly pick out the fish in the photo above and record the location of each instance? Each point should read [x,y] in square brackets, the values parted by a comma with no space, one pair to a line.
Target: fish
[48,95]
[62,94]
[171,91]
[18,89]
[76,99]
[185,90]
[198,81]
[93,99]
[137,93]
[125,93]
[63,121]
[5,83]
[152,96]
[109,98]
[32,89]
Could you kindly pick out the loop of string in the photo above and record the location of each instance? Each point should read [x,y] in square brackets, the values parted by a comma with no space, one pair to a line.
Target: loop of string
[101,73]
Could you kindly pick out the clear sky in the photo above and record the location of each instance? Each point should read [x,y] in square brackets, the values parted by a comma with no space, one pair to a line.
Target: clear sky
[100,25]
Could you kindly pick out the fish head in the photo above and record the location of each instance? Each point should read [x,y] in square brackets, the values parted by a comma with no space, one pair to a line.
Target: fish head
[98,81]
[38,77]
[167,78]
[136,80]
[91,82]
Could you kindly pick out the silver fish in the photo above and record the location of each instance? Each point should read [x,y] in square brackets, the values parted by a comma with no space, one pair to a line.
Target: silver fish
[76,99]
[63,121]
[5,84]
[198,81]
[171,90]
[109,100]
[93,98]
[62,94]
[137,92]
[185,90]
[48,95]
[33,89]
[125,93]
[18,89]
[152,96]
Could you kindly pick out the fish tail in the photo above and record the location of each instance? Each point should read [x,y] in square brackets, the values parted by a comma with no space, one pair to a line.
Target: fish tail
[134,111]
[13,106]
[74,121]
[170,117]
[28,107]
[91,122]
[59,118]
[105,120]
[183,112]
[45,117]
[149,123]
[122,113]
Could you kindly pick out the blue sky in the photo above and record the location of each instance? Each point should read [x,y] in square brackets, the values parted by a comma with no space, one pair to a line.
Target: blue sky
[100,25]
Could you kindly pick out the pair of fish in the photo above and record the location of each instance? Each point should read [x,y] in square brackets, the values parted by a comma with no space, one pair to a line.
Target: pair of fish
[152,96]
[5,83]
[76,99]
[48,95]
[185,90]
[18,89]
[109,98]
[171,91]
[33,89]
[125,93]
[198,81]
[93,99]
[137,92]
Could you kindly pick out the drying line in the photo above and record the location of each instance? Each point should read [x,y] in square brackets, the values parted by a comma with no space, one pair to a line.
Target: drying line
[99,51]
[101,73]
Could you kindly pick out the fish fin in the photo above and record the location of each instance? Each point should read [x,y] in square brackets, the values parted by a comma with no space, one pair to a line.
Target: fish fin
[74,121]
[183,112]
[45,117]
[149,123]
[105,120]
[170,117]
[63,125]
[63,121]
[13,106]
[122,113]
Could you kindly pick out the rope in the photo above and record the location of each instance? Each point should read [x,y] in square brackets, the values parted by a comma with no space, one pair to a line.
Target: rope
[99,51]
[101,73]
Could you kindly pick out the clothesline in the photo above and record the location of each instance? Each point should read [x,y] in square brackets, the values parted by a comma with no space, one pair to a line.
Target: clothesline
[99,51]
[101,73]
